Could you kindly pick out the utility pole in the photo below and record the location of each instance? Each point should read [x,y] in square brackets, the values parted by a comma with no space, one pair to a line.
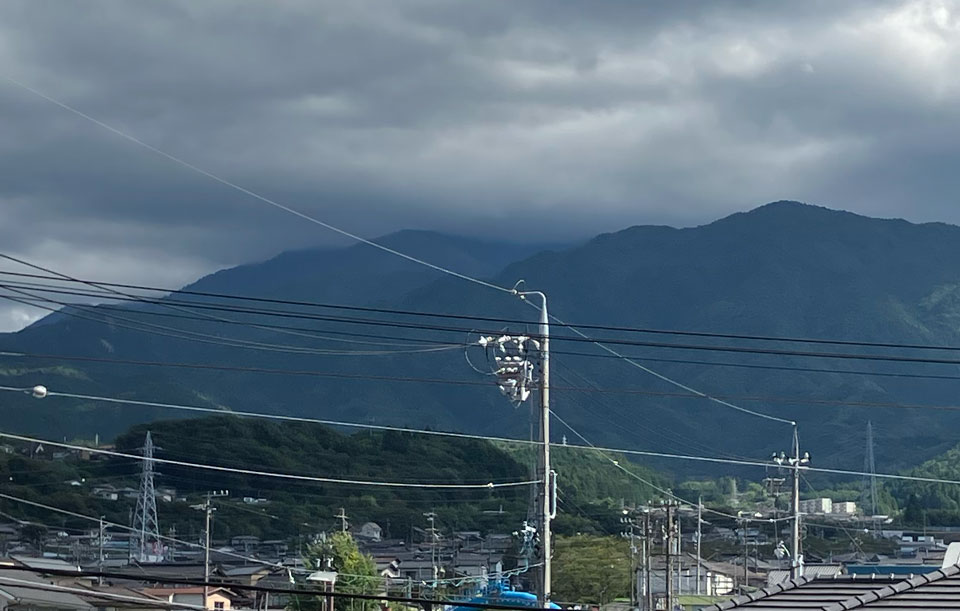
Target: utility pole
[679,540]
[668,581]
[546,474]
[868,498]
[638,557]
[342,516]
[208,510]
[100,552]
[648,561]
[514,372]
[699,535]
[795,462]
[432,517]
[746,577]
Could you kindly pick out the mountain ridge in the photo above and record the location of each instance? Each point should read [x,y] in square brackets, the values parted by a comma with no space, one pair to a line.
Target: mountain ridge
[784,269]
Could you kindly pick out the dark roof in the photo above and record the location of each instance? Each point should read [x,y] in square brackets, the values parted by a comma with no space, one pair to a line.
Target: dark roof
[937,590]
[31,590]
[806,593]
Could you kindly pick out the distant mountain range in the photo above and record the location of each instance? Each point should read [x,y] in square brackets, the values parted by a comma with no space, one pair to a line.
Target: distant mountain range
[785,269]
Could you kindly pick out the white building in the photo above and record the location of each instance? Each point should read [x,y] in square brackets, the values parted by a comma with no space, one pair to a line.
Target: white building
[847,508]
[816,506]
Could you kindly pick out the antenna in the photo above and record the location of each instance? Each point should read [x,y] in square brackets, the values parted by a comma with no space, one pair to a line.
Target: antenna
[145,545]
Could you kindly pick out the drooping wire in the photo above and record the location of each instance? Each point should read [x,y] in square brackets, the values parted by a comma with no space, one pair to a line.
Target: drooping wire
[261,198]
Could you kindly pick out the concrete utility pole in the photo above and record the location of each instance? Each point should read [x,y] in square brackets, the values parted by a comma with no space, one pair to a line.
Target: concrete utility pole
[699,535]
[342,516]
[546,474]
[432,517]
[668,581]
[103,530]
[631,534]
[746,576]
[648,562]
[208,510]
[795,463]
[514,372]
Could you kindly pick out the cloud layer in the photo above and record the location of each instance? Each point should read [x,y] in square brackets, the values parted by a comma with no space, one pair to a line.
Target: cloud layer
[540,119]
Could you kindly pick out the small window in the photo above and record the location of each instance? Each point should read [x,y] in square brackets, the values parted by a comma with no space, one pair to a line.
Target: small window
[218,604]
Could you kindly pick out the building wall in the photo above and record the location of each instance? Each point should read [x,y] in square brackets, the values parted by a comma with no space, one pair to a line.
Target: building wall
[822,505]
[197,600]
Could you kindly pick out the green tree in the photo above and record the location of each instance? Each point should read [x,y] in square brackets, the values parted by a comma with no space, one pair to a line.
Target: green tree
[356,573]
[591,569]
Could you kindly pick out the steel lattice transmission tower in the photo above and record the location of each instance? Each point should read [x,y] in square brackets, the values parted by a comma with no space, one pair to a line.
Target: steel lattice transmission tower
[145,544]
[869,494]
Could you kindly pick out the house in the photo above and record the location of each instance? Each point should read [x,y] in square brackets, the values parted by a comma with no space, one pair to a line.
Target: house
[26,591]
[217,598]
[938,591]
[116,597]
[44,564]
[816,506]
[106,493]
[371,531]
[846,508]
[812,571]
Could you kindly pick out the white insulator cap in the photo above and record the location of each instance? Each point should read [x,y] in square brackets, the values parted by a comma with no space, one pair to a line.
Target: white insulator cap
[39,391]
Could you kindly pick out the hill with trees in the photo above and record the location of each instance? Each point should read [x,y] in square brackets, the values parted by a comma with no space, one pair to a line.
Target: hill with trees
[785,269]
[293,508]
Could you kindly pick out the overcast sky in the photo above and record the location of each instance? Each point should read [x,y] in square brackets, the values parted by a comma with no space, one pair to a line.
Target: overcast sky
[542,120]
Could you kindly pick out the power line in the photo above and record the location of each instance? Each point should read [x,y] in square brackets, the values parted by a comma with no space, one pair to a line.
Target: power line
[437,346]
[207,338]
[49,587]
[253,194]
[647,453]
[270,474]
[81,516]
[579,337]
[457,382]
[114,291]
[618,328]
[273,589]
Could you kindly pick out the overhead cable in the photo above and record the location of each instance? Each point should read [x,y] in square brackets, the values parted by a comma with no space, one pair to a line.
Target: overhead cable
[579,336]
[253,194]
[647,453]
[269,474]
[494,319]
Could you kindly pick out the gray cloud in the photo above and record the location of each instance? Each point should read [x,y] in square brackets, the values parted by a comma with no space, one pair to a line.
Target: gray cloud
[540,119]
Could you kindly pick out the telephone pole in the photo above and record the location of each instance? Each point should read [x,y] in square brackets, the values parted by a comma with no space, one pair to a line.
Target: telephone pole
[434,570]
[102,531]
[547,477]
[670,553]
[795,462]
[342,516]
[699,535]
[514,370]
[208,510]
[869,496]
[647,562]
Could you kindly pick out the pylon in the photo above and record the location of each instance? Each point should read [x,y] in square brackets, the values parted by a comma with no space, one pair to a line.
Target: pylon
[145,544]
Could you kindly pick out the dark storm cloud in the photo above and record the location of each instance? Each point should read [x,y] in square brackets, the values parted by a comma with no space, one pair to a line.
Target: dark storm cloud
[547,119]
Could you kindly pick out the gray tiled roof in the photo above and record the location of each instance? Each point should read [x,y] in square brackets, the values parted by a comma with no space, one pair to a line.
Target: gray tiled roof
[806,593]
[938,590]
[33,591]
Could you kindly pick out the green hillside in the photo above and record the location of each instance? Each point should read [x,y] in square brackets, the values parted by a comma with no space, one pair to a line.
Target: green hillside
[312,450]
[784,269]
